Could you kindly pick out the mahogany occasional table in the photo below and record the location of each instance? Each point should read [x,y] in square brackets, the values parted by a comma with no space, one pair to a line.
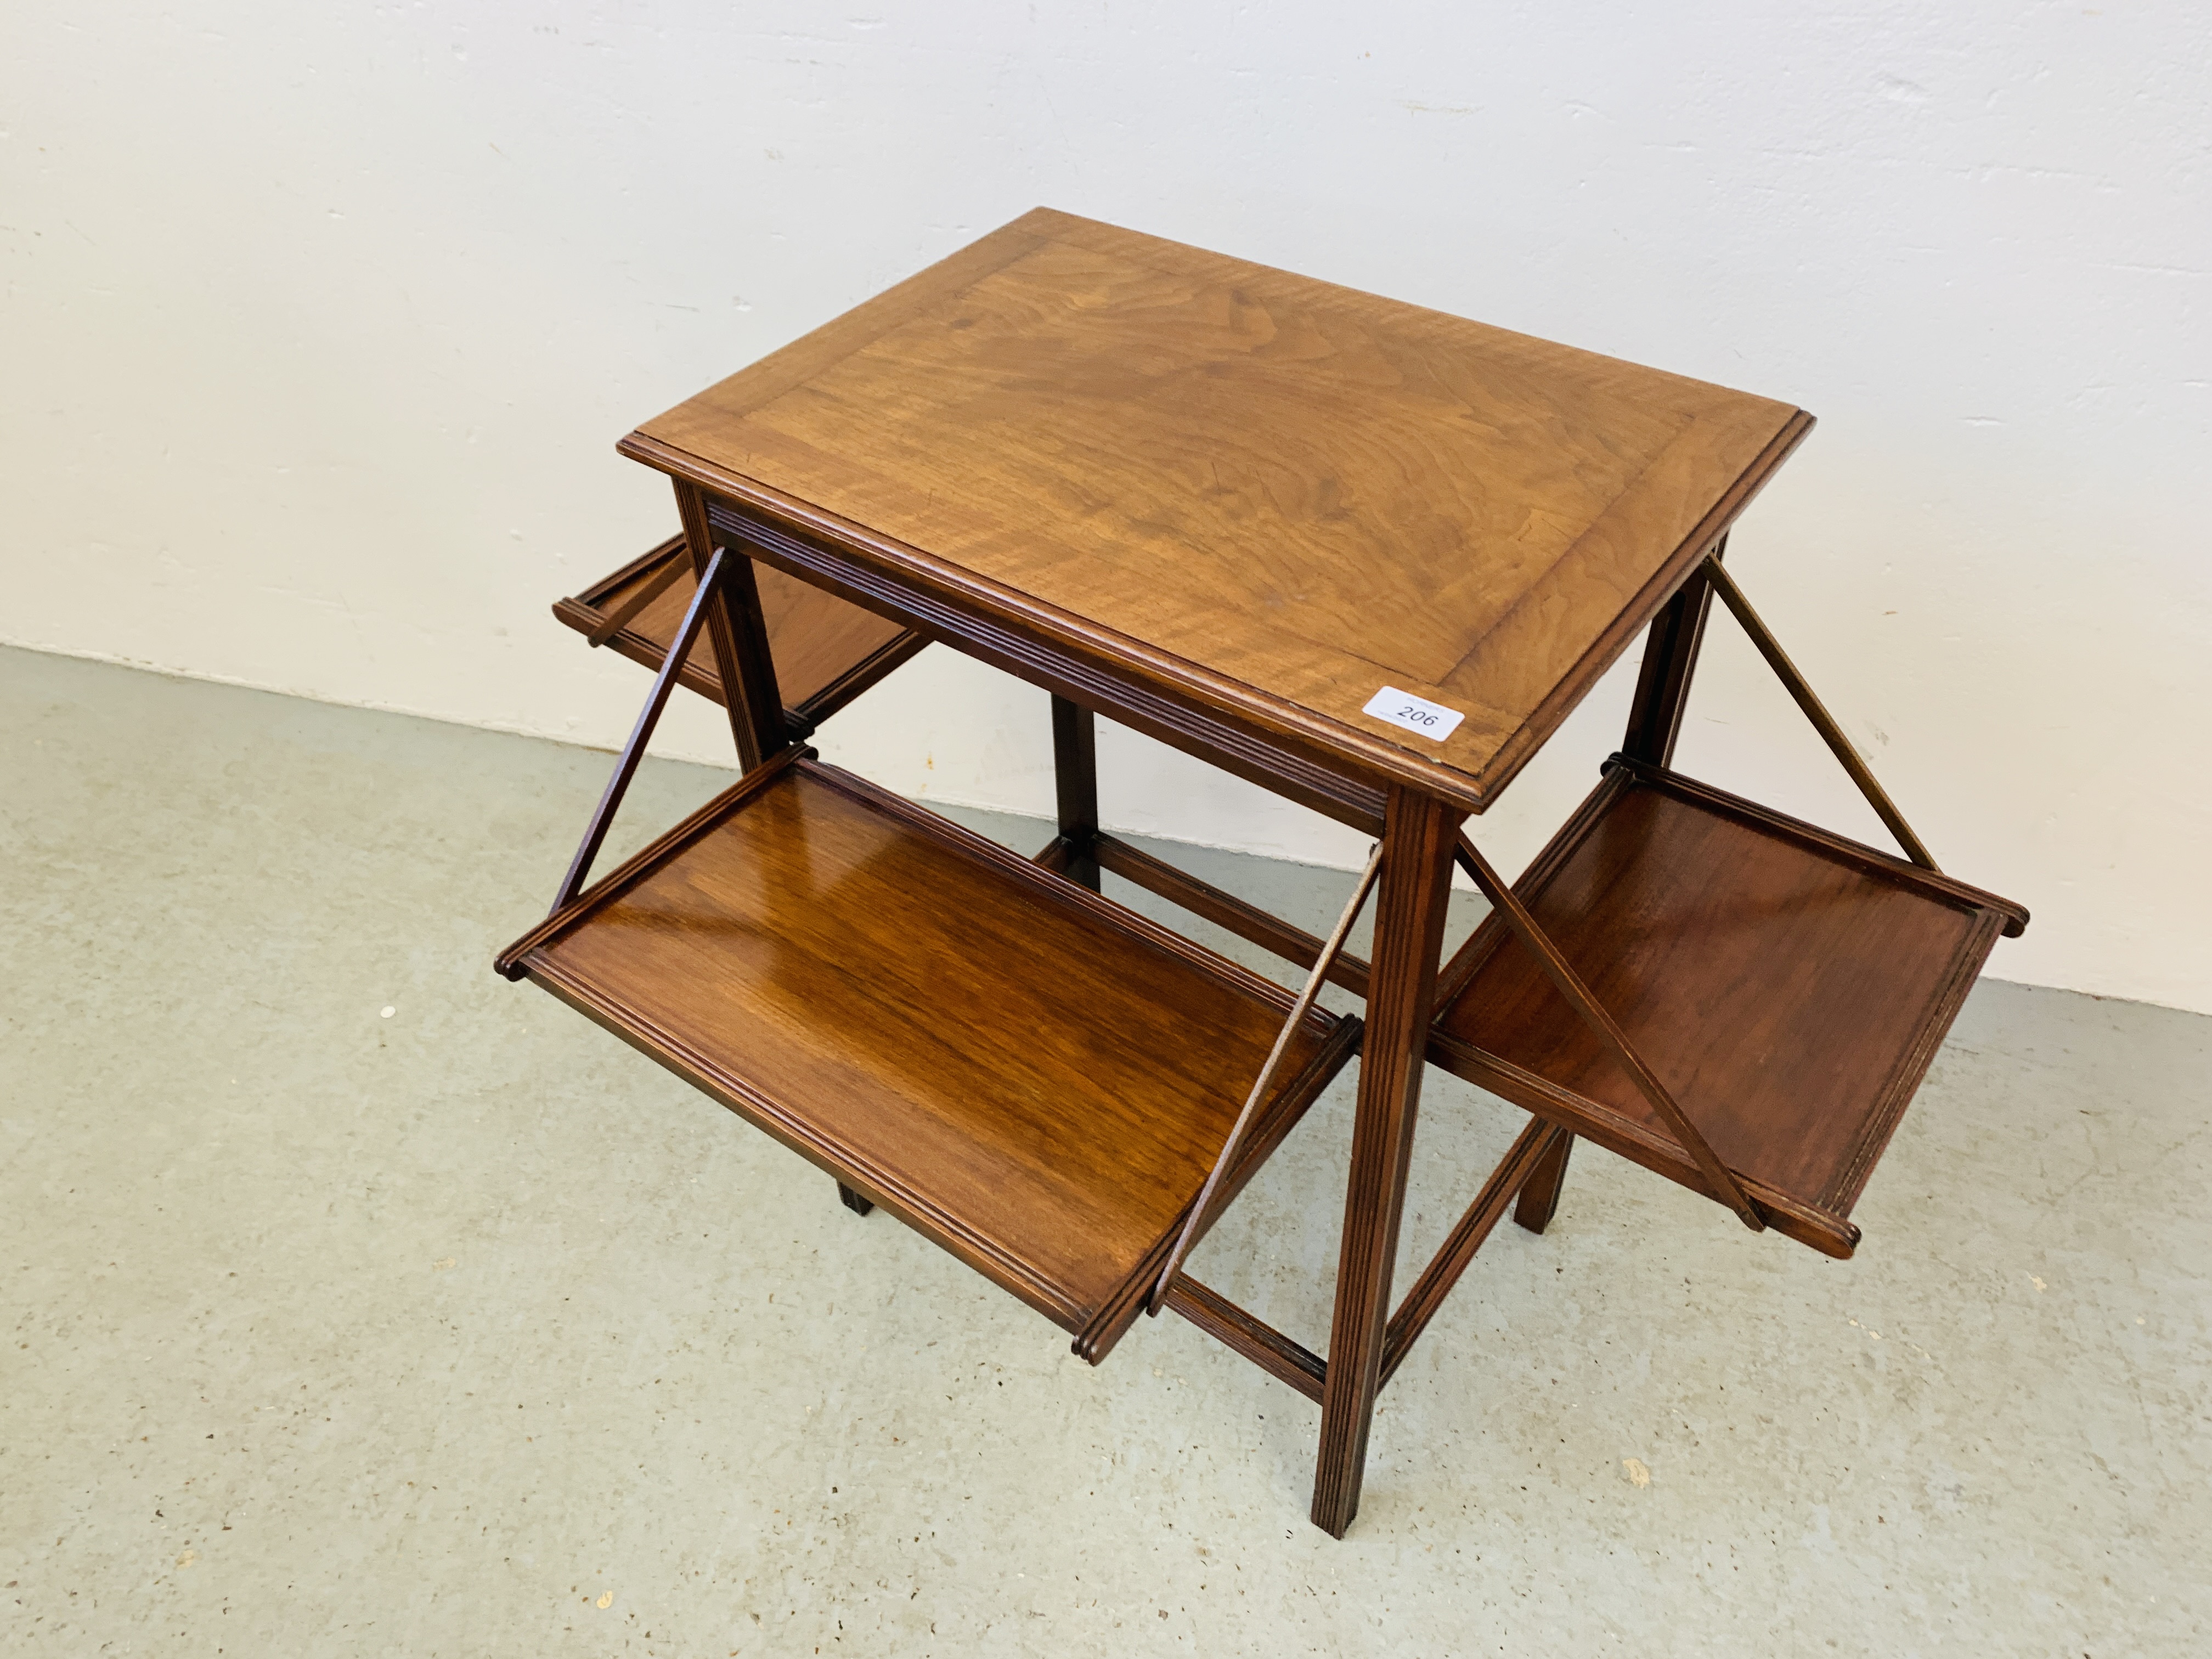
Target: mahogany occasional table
[1366,556]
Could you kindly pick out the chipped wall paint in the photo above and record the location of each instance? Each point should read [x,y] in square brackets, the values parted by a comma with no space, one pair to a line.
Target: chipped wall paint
[321,323]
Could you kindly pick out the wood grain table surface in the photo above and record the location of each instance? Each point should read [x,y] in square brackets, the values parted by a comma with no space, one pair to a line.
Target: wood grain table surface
[1267,494]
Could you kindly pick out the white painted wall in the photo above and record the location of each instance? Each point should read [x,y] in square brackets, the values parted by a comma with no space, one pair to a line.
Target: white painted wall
[321,323]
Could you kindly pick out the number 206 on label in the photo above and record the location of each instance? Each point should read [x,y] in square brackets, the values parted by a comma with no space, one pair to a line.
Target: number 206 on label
[1417,714]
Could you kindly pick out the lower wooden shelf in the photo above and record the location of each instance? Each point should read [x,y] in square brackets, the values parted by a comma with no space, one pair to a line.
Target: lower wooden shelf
[826,651]
[1788,985]
[1034,1077]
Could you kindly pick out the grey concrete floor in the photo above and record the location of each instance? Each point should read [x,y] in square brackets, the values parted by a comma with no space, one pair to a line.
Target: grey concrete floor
[355,1302]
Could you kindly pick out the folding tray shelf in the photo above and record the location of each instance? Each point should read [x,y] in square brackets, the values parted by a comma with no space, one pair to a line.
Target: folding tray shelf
[1790,986]
[1034,1077]
[826,651]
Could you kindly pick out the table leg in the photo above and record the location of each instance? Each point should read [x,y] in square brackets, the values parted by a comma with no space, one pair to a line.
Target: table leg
[1075,771]
[1540,1197]
[1654,722]
[739,638]
[1409,923]
[1670,659]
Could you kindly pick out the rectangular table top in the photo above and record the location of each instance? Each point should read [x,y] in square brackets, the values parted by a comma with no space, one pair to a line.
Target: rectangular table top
[1267,494]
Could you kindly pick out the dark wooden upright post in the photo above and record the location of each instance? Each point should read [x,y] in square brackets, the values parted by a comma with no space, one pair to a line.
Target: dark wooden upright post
[739,634]
[1655,722]
[1075,770]
[1417,838]
[1670,659]
[1540,1194]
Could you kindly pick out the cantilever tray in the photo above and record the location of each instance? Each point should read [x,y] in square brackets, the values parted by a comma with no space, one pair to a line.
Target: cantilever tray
[1026,1073]
[826,651]
[1790,985]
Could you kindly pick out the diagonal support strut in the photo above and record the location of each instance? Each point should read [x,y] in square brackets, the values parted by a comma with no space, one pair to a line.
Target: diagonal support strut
[1428,1292]
[1196,1222]
[634,750]
[1817,713]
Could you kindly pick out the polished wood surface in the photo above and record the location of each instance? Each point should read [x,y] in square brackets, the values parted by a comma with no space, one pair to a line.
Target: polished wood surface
[1618,1047]
[1789,988]
[826,651]
[1033,1076]
[1226,911]
[1321,780]
[1264,494]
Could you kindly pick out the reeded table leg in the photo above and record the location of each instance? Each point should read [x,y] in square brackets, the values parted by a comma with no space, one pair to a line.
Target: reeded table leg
[1409,924]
